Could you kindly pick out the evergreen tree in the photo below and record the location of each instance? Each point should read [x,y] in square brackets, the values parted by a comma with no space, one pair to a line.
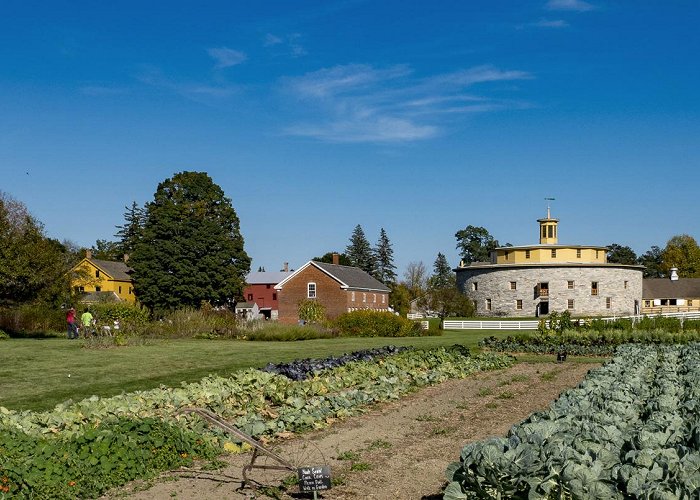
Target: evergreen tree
[384,258]
[443,276]
[130,233]
[190,248]
[107,250]
[360,252]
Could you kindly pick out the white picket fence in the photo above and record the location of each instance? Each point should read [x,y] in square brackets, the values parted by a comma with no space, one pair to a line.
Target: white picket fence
[532,324]
[489,325]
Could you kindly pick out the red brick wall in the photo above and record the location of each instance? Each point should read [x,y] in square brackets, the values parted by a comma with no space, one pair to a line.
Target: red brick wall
[328,292]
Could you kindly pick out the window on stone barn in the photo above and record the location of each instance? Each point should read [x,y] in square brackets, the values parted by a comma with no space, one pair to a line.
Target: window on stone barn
[311,290]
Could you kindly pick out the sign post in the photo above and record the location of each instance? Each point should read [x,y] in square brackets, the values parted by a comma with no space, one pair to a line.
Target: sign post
[315,478]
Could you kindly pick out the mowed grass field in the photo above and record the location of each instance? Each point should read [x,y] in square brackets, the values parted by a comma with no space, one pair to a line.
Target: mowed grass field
[37,374]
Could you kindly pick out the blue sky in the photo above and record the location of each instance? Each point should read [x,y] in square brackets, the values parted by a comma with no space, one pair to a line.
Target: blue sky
[418,117]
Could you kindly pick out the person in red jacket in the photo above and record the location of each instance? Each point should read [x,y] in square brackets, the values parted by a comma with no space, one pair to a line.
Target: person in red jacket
[72,327]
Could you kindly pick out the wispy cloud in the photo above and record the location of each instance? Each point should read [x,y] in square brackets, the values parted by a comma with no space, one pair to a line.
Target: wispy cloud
[572,5]
[290,44]
[226,57]
[196,91]
[271,40]
[362,103]
[550,23]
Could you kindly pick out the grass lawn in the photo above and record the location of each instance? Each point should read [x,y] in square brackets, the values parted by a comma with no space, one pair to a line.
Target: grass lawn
[36,374]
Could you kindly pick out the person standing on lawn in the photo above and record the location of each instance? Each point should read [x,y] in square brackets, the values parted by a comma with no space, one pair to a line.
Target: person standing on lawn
[72,327]
[87,321]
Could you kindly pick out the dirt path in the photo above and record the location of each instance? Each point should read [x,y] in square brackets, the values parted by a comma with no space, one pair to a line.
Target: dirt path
[399,450]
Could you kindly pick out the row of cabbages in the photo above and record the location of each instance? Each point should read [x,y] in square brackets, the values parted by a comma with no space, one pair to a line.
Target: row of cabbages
[630,430]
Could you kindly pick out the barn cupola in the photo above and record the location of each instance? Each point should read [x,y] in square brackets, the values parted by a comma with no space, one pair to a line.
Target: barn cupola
[548,229]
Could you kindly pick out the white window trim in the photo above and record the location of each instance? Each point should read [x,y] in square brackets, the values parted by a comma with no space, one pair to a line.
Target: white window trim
[309,285]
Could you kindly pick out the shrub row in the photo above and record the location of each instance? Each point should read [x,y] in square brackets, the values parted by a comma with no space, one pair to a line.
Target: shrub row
[576,342]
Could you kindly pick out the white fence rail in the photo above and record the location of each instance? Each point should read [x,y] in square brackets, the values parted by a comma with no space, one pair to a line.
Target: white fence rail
[532,324]
[489,325]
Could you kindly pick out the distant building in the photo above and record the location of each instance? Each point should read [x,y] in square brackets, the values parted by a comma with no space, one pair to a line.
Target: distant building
[260,290]
[670,295]
[102,280]
[339,289]
[534,280]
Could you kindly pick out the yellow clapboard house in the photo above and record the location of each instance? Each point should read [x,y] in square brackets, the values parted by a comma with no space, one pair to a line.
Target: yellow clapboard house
[102,280]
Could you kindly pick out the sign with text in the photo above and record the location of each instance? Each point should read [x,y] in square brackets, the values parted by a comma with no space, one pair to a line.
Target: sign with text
[315,478]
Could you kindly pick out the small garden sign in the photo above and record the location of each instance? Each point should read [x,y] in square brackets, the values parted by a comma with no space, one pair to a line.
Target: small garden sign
[315,478]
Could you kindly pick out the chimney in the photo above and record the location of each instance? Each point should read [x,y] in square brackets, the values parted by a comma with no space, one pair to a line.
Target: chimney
[88,254]
[336,259]
[674,274]
[126,258]
[286,267]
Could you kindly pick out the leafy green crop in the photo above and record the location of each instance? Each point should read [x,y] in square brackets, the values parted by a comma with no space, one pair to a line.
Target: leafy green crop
[81,449]
[630,430]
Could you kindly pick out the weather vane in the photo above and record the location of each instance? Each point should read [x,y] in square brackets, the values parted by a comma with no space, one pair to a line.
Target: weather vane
[548,200]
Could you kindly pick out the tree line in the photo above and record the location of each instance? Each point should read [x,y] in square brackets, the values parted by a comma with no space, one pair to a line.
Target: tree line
[185,248]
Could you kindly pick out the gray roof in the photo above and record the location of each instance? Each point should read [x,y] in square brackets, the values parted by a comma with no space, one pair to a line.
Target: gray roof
[98,297]
[116,269]
[352,277]
[266,278]
[664,288]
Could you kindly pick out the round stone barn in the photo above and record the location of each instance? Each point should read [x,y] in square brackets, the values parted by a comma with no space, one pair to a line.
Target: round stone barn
[536,280]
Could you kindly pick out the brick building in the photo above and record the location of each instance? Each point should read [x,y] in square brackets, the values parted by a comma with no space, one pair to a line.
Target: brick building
[339,289]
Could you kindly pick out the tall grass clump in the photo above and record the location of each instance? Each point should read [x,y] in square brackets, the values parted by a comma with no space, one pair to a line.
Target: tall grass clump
[195,323]
[367,323]
[33,320]
[274,331]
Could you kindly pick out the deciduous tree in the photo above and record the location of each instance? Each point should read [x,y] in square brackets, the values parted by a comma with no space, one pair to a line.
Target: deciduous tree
[32,267]
[475,244]
[651,260]
[190,249]
[621,254]
[343,259]
[683,253]
[415,279]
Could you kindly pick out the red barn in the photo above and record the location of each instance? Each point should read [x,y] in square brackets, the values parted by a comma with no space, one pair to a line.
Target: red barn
[260,290]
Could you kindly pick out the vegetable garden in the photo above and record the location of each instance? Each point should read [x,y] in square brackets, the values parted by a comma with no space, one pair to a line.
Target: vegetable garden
[82,449]
[630,430]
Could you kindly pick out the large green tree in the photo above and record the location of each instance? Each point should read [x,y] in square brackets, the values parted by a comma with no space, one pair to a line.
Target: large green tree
[32,266]
[360,252]
[190,249]
[384,258]
[652,262]
[475,244]
[683,253]
[621,254]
